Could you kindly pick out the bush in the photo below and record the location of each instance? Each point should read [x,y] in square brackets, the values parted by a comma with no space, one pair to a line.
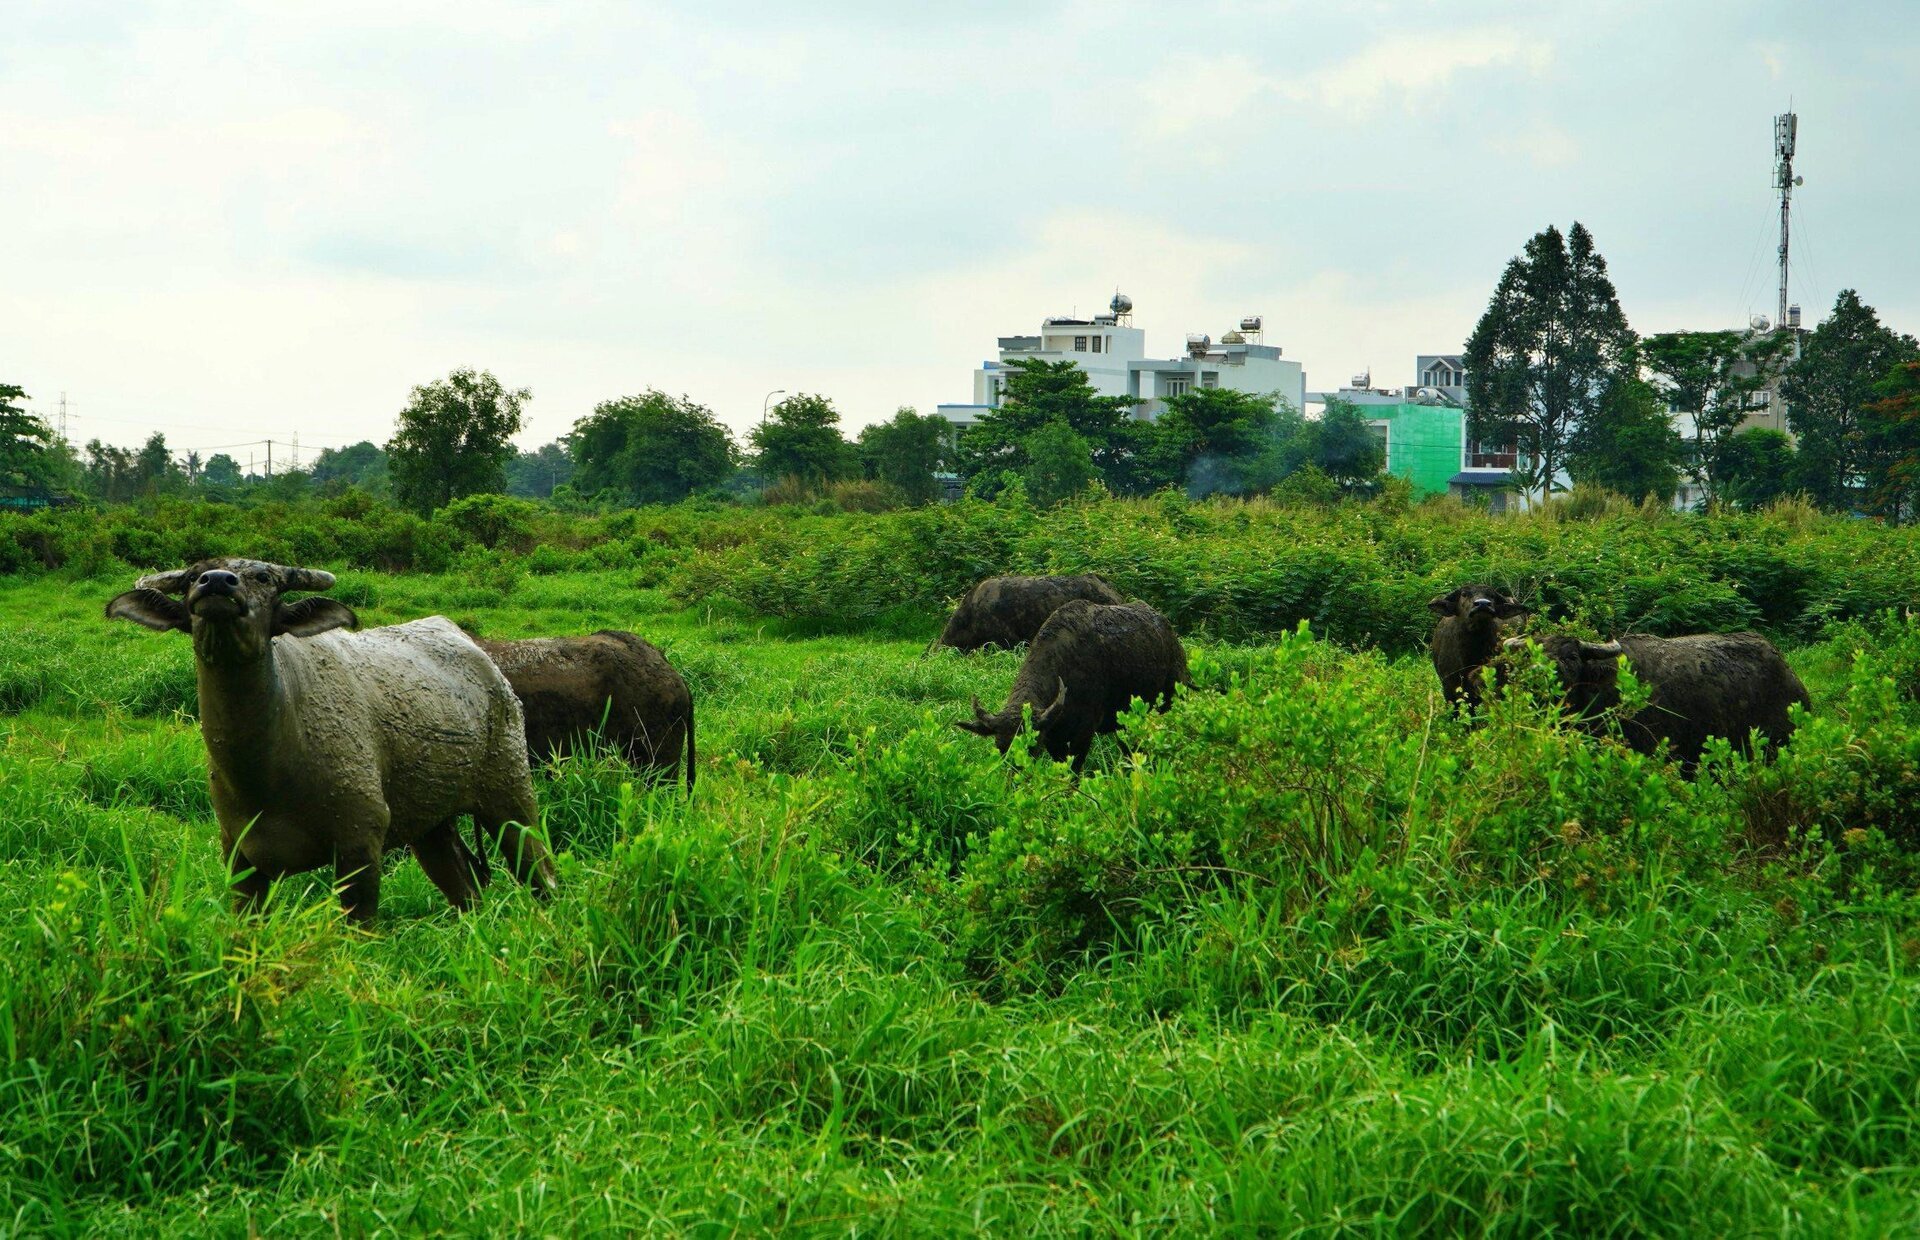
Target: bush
[496,522]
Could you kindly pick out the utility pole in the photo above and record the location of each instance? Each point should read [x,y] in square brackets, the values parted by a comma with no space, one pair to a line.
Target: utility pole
[63,416]
[269,460]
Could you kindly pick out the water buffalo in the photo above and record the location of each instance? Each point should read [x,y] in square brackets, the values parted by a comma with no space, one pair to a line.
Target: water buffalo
[1087,663]
[1468,638]
[331,748]
[1007,611]
[1699,686]
[609,682]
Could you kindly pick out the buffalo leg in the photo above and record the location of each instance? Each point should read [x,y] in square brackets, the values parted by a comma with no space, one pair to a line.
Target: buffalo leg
[356,872]
[249,885]
[525,855]
[448,863]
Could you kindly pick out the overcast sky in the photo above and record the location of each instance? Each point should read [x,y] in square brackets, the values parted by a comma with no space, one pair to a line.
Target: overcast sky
[233,220]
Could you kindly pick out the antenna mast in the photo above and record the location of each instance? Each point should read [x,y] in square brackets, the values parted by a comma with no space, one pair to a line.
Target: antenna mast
[1785,126]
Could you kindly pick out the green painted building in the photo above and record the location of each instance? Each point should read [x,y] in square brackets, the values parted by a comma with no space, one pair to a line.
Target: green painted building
[1423,442]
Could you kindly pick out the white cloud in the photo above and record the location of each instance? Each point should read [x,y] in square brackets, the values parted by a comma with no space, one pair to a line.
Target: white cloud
[1189,93]
[1541,143]
[1412,69]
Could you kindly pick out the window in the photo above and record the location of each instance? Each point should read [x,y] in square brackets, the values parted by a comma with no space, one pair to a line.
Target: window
[1096,343]
[1210,379]
[1079,344]
[1177,385]
[1483,455]
[1379,430]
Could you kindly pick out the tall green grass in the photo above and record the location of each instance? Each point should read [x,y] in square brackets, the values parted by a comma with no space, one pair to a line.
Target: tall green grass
[1309,955]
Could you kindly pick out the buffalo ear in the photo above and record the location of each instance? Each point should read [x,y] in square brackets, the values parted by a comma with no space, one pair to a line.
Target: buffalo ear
[1505,608]
[312,615]
[147,606]
[1444,604]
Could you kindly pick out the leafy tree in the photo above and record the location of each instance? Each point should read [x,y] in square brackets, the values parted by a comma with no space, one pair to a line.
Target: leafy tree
[107,472]
[221,471]
[155,470]
[1759,467]
[802,440]
[1893,435]
[1208,438]
[361,465]
[649,449]
[24,441]
[1039,392]
[1631,446]
[451,439]
[1548,349]
[1717,379]
[1827,393]
[534,475]
[908,451]
[286,486]
[1059,464]
[1342,446]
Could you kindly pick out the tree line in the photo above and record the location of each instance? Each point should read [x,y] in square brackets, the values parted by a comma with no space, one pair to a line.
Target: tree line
[1553,368]
[1053,435]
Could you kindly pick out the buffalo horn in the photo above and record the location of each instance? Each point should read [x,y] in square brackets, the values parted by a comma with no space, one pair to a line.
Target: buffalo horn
[175,582]
[1059,700]
[309,579]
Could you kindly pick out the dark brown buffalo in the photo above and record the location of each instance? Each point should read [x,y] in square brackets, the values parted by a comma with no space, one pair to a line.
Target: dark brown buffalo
[1467,638]
[1008,611]
[610,683]
[1087,663]
[1699,686]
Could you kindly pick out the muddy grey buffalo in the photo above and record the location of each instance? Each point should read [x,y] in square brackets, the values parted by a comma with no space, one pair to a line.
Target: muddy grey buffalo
[611,683]
[332,748]
[1007,611]
[1700,686]
[1087,663]
[1467,639]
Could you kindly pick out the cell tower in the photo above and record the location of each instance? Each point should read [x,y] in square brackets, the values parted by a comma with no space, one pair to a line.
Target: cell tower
[1785,126]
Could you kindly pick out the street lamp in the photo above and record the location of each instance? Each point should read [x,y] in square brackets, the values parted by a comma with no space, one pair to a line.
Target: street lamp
[769,397]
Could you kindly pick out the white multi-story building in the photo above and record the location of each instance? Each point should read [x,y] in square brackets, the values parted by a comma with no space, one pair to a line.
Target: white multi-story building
[1113,353]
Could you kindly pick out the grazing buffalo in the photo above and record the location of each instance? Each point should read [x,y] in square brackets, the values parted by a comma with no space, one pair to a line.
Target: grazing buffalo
[1468,638]
[1087,663]
[1700,686]
[1007,611]
[609,682]
[332,748]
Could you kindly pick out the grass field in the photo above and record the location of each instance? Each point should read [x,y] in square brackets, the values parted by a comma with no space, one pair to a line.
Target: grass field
[1313,957]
